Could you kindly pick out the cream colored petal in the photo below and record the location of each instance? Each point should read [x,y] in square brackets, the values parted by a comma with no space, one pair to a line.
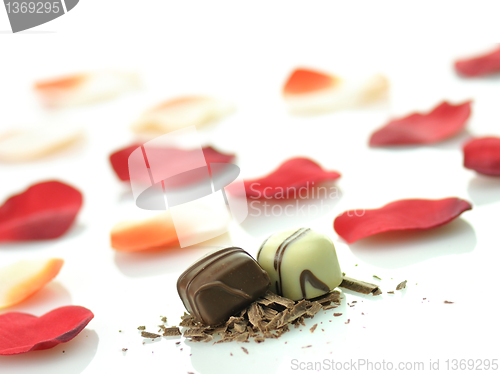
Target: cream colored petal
[86,88]
[34,143]
[180,113]
[349,93]
[22,279]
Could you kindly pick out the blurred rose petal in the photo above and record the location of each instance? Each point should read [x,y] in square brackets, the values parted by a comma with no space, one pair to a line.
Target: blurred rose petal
[44,211]
[85,88]
[295,173]
[483,155]
[311,92]
[22,279]
[443,122]
[182,112]
[486,64]
[194,222]
[32,144]
[411,214]
[120,159]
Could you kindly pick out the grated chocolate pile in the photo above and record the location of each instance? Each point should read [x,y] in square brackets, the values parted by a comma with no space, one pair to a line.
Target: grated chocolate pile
[267,318]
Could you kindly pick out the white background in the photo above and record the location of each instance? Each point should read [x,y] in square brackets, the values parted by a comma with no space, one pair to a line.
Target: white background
[244,52]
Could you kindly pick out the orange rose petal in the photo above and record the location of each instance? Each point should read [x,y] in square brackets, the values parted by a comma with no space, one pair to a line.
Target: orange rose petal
[181,112]
[64,83]
[303,81]
[312,92]
[22,279]
[195,222]
[32,144]
[85,88]
[155,232]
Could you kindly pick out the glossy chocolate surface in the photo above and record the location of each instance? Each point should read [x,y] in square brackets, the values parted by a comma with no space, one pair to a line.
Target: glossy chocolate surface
[220,284]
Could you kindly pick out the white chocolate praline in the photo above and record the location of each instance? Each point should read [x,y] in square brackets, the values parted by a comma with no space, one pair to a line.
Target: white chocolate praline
[301,263]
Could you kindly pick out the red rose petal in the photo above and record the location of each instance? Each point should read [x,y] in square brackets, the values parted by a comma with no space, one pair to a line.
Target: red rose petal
[21,332]
[44,211]
[478,66]
[119,159]
[441,123]
[294,173]
[483,155]
[413,214]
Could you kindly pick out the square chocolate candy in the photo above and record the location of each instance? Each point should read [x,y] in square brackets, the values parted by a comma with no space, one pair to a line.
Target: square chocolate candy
[221,284]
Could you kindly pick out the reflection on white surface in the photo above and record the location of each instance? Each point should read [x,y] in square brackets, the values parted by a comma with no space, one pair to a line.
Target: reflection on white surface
[397,249]
[484,190]
[166,260]
[50,297]
[266,216]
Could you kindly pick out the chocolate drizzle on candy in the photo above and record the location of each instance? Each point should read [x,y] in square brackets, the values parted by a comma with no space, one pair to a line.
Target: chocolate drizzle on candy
[221,284]
[308,276]
[278,257]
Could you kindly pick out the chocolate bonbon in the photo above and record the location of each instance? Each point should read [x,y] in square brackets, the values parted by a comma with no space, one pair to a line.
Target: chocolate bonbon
[220,284]
[302,264]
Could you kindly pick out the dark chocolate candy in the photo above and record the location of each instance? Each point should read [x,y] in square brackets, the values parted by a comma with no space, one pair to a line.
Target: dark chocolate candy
[220,284]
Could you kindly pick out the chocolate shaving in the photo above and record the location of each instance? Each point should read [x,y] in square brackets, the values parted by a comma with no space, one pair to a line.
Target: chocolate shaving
[347,322]
[149,335]
[313,328]
[244,350]
[141,328]
[390,291]
[315,308]
[332,297]
[298,309]
[188,321]
[337,314]
[269,313]
[267,318]
[360,286]
[265,302]
[240,327]
[242,337]
[231,321]
[255,315]
[194,332]
[327,307]
[449,302]
[377,277]
[171,331]
[401,286]
[202,338]
[276,299]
